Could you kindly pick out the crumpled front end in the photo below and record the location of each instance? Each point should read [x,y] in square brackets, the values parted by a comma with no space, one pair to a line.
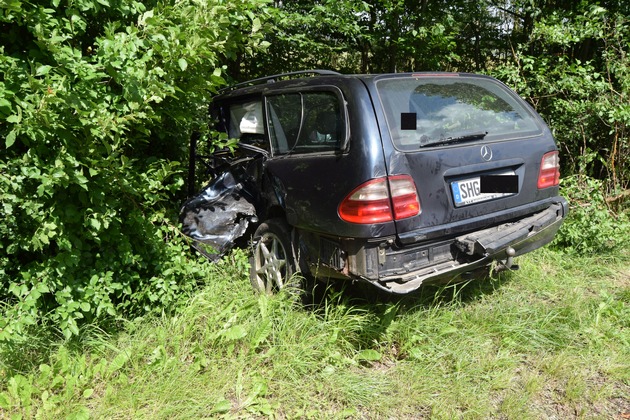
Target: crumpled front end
[217,216]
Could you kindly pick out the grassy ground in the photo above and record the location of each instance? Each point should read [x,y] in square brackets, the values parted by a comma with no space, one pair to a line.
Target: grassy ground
[549,341]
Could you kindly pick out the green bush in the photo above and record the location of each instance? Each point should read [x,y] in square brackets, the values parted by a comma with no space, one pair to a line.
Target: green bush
[575,70]
[592,225]
[97,101]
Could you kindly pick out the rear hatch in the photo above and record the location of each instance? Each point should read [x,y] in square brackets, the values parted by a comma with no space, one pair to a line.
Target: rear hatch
[472,146]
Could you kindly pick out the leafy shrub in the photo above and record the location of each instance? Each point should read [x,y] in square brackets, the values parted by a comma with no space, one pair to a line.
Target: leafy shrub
[97,101]
[592,226]
[575,71]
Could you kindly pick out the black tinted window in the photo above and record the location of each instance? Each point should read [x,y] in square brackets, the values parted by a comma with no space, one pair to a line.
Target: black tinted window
[307,122]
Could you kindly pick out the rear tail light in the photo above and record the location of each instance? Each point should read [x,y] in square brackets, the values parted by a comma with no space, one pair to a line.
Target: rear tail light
[549,175]
[404,197]
[381,200]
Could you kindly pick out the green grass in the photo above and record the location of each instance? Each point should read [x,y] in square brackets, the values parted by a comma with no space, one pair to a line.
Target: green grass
[550,340]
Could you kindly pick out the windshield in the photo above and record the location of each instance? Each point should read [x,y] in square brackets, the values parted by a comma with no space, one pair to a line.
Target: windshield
[430,111]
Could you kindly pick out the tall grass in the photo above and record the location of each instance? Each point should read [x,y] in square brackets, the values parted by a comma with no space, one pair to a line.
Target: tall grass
[552,339]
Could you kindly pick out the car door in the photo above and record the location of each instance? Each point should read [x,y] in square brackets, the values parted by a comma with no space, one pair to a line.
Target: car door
[313,163]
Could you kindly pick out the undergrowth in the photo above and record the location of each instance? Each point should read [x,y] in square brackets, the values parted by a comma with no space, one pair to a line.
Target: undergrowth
[597,222]
[549,340]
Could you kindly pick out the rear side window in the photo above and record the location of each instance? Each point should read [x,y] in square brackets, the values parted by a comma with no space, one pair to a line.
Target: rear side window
[305,122]
[246,118]
[246,122]
[429,111]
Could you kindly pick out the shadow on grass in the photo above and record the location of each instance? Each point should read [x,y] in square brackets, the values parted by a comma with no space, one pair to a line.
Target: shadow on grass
[426,297]
[384,307]
[40,345]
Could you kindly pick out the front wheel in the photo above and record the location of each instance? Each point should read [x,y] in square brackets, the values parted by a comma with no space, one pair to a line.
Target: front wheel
[273,261]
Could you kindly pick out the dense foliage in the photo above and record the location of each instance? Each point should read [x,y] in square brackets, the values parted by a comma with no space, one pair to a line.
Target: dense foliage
[569,59]
[575,70]
[99,97]
[97,102]
[585,95]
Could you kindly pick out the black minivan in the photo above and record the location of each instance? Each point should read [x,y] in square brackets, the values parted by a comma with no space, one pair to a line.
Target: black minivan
[397,180]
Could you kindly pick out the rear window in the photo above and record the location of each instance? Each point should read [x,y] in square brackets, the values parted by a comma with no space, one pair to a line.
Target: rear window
[431,111]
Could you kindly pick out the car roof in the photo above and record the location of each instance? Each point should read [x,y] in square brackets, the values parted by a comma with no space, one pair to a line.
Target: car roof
[307,78]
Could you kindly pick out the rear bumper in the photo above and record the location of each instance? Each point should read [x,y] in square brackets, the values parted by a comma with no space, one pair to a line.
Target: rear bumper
[403,269]
[523,236]
[480,248]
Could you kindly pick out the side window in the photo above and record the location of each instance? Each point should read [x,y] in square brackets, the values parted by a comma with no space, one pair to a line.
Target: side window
[284,117]
[246,123]
[308,122]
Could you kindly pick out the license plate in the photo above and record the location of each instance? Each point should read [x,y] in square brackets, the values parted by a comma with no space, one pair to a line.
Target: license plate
[468,191]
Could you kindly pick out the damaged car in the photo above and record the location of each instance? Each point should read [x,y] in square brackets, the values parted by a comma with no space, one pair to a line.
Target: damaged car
[396,180]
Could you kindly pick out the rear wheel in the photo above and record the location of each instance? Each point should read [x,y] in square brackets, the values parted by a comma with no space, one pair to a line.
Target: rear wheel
[273,262]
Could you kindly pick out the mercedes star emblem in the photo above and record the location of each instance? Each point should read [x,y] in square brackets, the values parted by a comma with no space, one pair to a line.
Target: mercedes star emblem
[486,153]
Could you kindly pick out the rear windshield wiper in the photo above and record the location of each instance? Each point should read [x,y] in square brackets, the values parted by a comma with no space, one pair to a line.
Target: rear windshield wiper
[457,139]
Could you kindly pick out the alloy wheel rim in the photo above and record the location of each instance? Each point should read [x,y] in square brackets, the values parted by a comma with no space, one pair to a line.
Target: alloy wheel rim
[270,263]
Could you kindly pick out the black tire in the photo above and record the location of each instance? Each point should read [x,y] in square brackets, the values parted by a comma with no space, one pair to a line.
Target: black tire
[273,261]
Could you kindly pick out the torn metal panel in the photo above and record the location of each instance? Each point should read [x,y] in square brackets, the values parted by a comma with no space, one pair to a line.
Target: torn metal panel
[217,216]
